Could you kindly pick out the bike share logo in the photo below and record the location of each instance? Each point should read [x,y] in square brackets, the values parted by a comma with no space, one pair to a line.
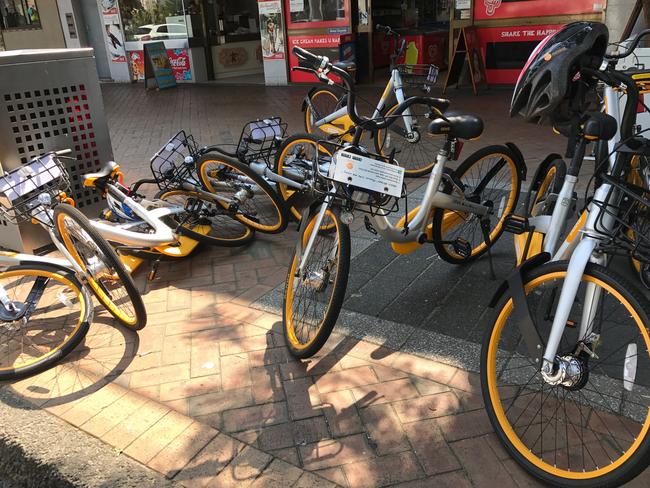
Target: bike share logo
[491,6]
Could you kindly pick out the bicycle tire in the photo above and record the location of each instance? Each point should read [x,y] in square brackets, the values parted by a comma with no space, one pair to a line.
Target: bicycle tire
[414,167]
[229,231]
[332,101]
[71,340]
[137,318]
[446,223]
[306,348]
[275,219]
[541,285]
[547,180]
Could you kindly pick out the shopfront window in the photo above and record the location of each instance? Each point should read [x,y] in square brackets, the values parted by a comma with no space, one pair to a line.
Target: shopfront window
[18,14]
[238,20]
[310,11]
[158,19]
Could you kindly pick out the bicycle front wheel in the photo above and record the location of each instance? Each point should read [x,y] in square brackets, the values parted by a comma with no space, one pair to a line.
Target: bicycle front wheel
[250,197]
[46,315]
[489,177]
[313,298]
[206,221]
[415,151]
[590,429]
[107,277]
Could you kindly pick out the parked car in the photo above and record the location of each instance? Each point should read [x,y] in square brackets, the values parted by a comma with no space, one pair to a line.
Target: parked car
[151,32]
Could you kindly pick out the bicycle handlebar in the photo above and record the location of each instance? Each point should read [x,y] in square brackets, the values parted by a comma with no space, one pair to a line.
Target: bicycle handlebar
[387,29]
[321,67]
[631,47]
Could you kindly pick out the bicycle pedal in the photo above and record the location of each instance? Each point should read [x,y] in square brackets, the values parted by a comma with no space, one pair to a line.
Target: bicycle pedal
[151,275]
[462,248]
[516,224]
[369,226]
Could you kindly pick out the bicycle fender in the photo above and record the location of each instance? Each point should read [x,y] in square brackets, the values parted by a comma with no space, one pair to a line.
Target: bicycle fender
[520,162]
[522,269]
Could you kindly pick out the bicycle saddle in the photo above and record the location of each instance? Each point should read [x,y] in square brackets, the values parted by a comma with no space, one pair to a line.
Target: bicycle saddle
[597,126]
[89,179]
[348,66]
[456,125]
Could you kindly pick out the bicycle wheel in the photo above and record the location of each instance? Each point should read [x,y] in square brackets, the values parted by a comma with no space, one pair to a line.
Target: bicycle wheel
[48,316]
[252,199]
[415,153]
[592,428]
[489,177]
[205,220]
[106,275]
[324,101]
[312,301]
[295,160]
[544,189]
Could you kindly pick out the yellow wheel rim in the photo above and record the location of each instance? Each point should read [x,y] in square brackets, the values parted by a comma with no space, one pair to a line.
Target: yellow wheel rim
[496,400]
[308,123]
[543,188]
[205,177]
[120,314]
[64,281]
[290,325]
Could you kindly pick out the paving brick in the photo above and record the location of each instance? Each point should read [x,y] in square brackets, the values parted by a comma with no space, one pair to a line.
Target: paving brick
[388,374]
[278,436]
[310,480]
[424,368]
[426,407]
[384,430]
[220,401]
[242,470]
[466,381]
[302,398]
[92,404]
[268,356]
[278,474]
[194,324]
[335,475]
[235,372]
[390,391]
[481,464]
[464,425]
[288,454]
[156,376]
[346,379]
[266,384]
[176,349]
[189,388]
[430,447]
[341,413]
[329,453]
[157,437]
[179,451]
[112,415]
[238,346]
[255,416]
[383,471]
[178,299]
[524,480]
[210,461]
[205,359]
[427,387]
[308,431]
[455,479]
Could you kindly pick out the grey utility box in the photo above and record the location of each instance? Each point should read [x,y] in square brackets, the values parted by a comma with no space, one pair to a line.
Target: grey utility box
[50,100]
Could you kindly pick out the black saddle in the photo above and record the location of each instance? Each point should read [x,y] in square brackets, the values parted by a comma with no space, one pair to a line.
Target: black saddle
[105,172]
[459,126]
[597,126]
[349,66]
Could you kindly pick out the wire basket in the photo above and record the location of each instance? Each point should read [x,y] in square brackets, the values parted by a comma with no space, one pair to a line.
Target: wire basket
[422,76]
[26,188]
[624,220]
[175,161]
[260,139]
[349,196]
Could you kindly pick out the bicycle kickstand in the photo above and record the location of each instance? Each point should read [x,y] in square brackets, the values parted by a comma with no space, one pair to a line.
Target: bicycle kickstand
[153,269]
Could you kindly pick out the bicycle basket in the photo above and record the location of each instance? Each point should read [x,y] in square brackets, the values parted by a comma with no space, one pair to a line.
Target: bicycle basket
[422,76]
[260,139]
[21,188]
[175,160]
[624,220]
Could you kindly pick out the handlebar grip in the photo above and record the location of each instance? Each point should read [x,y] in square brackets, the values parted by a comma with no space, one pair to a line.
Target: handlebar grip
[309,60]
[631,47]
[61,152]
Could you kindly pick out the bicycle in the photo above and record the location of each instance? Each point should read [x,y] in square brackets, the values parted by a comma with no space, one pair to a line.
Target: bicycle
[326,113]
[565,349]
[45,312]
[462,204]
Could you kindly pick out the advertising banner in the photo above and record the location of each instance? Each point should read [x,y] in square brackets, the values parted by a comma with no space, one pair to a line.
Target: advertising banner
[506,49]
[157,66]
[179,60]
[323,45]
[511,9]
[272,34]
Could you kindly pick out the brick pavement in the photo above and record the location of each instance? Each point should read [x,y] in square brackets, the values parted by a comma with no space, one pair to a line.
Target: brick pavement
[207,393]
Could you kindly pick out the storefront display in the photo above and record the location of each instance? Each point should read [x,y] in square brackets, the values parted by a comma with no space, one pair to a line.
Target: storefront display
[318,14]
[324,45]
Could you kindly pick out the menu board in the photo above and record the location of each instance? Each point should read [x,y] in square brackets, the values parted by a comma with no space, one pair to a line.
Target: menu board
[157,68]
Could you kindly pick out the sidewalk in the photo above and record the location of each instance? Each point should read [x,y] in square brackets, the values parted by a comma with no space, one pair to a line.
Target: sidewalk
[208,395]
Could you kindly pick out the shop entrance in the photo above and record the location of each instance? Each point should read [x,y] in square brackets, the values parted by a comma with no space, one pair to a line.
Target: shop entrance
[234,40]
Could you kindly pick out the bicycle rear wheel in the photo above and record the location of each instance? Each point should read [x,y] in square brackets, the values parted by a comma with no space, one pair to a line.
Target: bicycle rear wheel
[47,316]
[325,101]
[205,220]
[590,429]
[106,275]
[251,198]
[313,300]
[417,152]
[489,177]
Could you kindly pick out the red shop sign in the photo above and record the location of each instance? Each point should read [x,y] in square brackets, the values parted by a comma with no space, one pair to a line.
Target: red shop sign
[504,9]
[322,45]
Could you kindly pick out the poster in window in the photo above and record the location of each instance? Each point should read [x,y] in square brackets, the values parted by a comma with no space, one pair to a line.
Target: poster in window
[115,43]
[109,7]
[317,14]
[511,9]
[271,33]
